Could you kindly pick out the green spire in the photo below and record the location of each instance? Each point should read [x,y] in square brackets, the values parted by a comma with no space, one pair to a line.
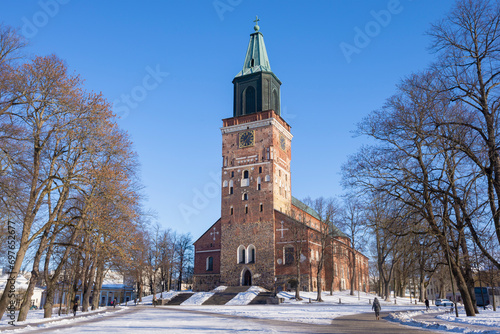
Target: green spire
[256,58]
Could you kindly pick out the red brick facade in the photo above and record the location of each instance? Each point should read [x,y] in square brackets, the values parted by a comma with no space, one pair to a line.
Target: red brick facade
[253,240]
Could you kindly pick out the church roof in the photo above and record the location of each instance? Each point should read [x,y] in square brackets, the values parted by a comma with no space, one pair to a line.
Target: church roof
[256,59]
[306,208]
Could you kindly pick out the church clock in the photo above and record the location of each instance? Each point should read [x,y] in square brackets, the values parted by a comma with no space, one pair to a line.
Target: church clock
[247,138]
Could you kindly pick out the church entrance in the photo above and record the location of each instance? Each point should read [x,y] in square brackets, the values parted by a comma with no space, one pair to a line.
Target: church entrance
[247,278]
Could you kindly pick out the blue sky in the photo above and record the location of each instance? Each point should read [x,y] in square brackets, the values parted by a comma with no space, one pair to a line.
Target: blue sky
[168,66]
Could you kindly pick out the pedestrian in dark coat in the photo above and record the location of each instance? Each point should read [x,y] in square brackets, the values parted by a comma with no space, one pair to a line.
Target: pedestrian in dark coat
[426,304]
[75,308]
[114,303]
[376,307]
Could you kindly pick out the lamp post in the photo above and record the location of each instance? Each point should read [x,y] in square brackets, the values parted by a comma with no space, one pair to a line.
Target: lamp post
[162,284]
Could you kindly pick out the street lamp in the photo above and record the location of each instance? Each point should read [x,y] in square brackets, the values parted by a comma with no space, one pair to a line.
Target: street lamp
[162,284]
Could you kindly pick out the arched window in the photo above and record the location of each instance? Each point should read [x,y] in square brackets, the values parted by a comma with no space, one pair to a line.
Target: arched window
[244,197]
[224,184]
[245,181]
[275,102]
[241,254]
[246,209]
[249,105]
[251,254]
[231,187]
[210,263]
[258,183]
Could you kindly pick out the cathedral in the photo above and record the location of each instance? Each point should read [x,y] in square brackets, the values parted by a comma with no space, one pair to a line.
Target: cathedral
[265,234]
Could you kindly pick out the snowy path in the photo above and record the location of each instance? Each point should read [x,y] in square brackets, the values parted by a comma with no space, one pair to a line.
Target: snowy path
[178,320]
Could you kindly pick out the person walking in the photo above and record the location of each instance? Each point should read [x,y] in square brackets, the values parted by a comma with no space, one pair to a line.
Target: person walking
[114,303]
[426,304]
[75,308]
[376,307]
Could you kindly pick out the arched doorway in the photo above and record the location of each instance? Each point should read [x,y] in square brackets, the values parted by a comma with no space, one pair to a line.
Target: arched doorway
[247,278]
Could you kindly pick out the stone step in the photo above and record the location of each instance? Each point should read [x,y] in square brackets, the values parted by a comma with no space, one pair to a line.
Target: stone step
[180,298]
[221,298]
[261,298]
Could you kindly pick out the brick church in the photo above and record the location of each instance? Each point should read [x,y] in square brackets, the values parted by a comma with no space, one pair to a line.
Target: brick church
[255,240]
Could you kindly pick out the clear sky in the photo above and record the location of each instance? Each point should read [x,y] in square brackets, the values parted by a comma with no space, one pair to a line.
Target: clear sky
[168,67]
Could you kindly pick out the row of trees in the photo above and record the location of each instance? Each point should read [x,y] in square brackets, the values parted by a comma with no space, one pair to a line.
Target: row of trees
[69,186]
[431,180]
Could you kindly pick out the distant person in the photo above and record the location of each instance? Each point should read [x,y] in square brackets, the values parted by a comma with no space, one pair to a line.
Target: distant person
[376,307]
[426,304]
[135,301]
[114,303]
[75,308]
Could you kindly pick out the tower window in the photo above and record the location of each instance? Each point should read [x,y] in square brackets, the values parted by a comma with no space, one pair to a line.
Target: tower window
[246,209]
[252,62]
[258,183]
[245,197]
[249,101]
[261,207]
[260,170]
[245,181]
[231,210]
[232,174]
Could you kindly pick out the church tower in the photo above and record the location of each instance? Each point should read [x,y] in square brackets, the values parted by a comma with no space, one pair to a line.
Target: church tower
[256,180]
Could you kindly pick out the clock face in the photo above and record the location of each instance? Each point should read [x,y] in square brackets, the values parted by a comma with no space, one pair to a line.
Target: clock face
[247,138]
[282,142]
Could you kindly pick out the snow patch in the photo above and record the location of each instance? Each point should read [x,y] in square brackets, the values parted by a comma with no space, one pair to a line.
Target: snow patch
[198,298]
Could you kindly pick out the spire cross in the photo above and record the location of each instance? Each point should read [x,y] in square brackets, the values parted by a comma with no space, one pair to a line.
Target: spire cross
[256,20]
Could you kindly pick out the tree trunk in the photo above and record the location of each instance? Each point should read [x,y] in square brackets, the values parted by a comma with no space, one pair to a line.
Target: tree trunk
[87,289]
[96,293]
[35,273]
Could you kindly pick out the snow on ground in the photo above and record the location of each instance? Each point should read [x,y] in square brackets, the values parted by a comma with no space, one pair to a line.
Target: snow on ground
[198,298]
[156,320]
[484,318]
[148,300]
[244,298]
[220,288]
[36,317]
[303,311]
[488,321]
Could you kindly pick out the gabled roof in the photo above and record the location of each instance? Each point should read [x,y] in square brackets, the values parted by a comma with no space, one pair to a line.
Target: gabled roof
[206,231]
[256,59]
[306,208]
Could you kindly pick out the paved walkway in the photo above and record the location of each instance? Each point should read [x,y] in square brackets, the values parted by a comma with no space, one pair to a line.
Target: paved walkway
[79,315]
[360,323]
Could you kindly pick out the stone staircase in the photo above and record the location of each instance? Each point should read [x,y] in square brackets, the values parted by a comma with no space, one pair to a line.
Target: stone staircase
[180,298]
[221,298]
[261,298]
